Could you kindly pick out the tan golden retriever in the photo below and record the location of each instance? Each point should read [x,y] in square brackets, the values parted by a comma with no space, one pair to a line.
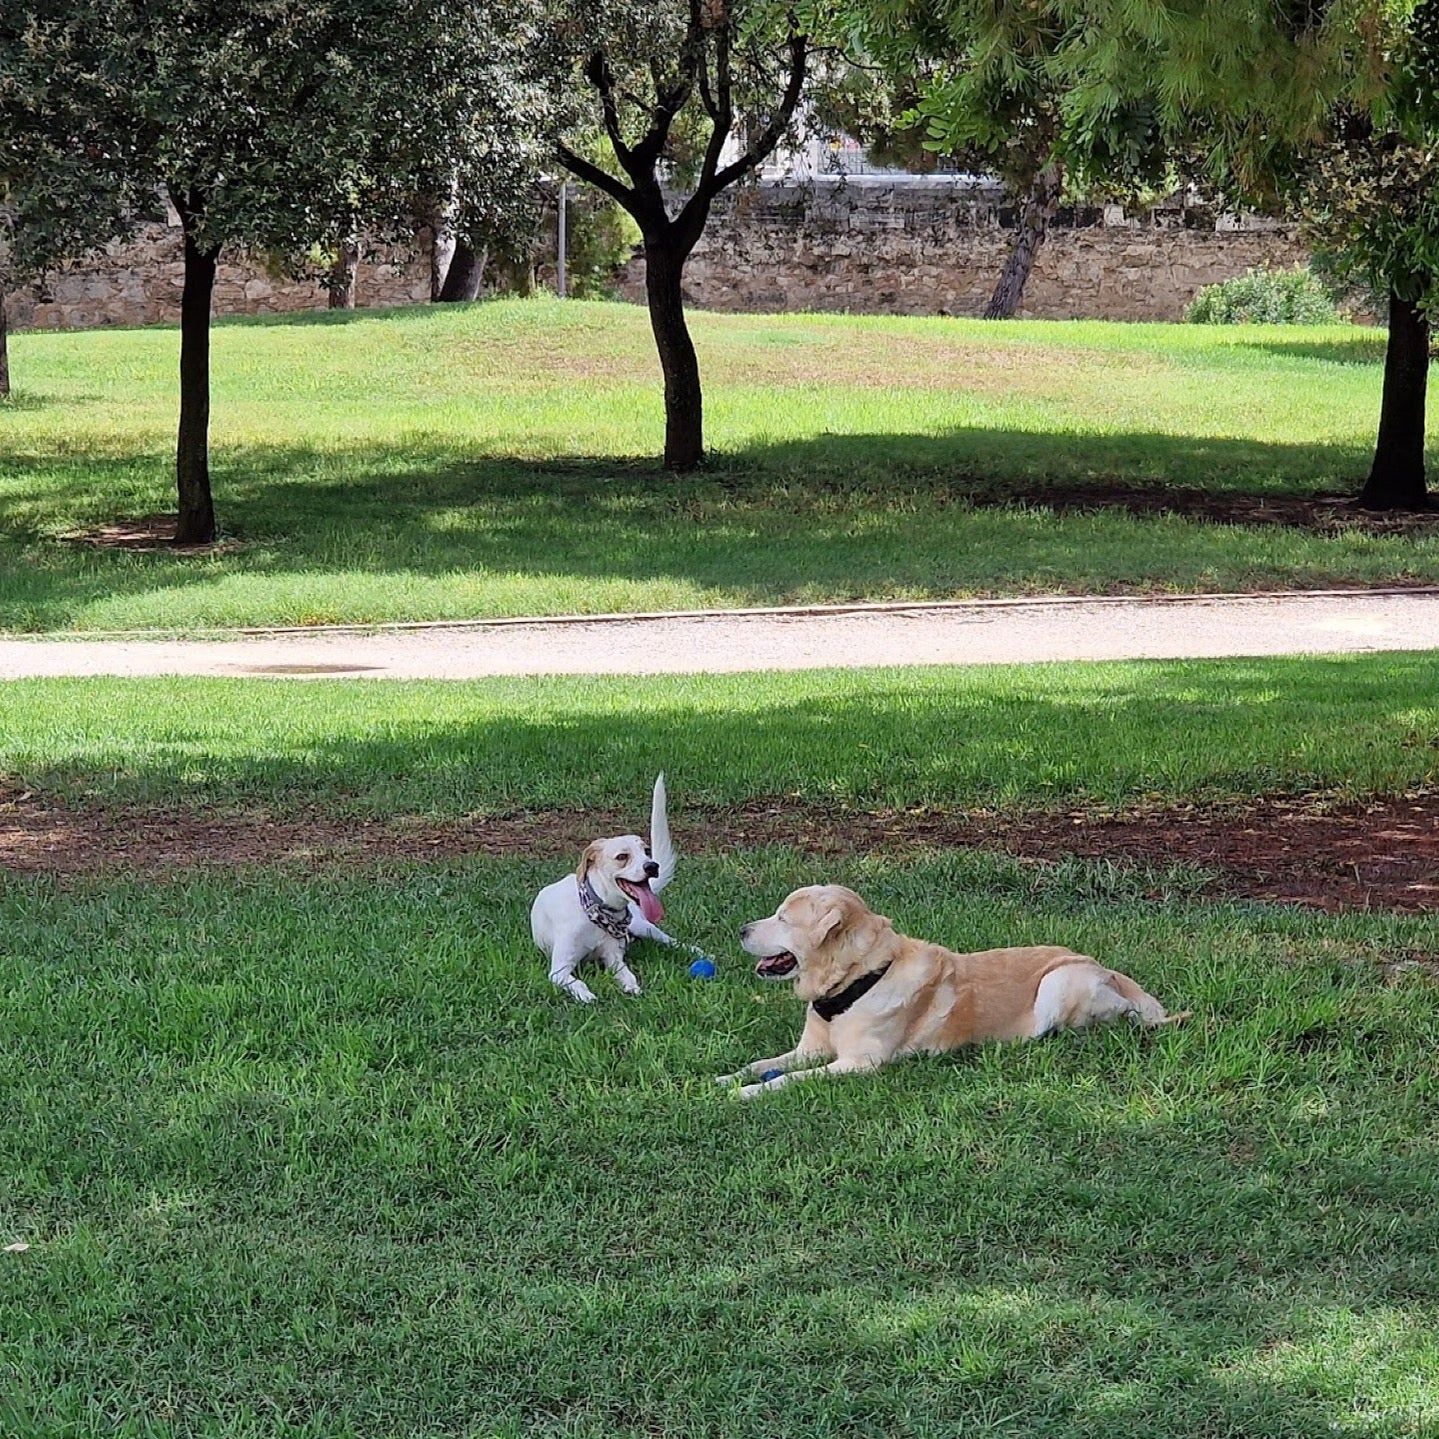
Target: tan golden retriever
[875,995]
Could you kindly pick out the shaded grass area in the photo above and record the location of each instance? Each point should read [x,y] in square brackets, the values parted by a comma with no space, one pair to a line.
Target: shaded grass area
[465,461]
[304,1156]
[1028,737]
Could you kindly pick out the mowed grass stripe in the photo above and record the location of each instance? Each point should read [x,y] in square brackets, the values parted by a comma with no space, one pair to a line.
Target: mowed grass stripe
[1028,737]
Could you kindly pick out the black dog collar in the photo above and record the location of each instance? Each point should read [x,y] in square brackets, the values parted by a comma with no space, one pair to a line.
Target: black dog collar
[831,1006]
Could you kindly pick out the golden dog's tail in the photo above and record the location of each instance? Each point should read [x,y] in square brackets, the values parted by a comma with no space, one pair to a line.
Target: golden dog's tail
[1147,1010]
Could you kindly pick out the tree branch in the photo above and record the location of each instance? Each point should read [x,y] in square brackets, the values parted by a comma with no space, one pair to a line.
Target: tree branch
[583,169]
[690,222]
[779,122]
[643,198]
[668,103]
[720,105]
[667,106]
[597,72]
[697,28]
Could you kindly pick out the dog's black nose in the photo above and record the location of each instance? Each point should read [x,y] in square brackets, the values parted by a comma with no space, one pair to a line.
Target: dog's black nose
[744,930]
[651,868]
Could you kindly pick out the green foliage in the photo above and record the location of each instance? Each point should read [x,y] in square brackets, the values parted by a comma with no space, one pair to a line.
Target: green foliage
[1371,201]
[1005,87]
[601,238]
[1350,289]
[1131,88]
[1265,297]
[991,89]
[1324,110]
[272,124]
[880,110]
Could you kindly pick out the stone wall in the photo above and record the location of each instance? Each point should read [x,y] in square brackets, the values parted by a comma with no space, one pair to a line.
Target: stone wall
[139,283]
[932,246]
[866,244]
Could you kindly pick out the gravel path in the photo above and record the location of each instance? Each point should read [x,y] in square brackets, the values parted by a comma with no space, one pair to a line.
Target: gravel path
[980,632]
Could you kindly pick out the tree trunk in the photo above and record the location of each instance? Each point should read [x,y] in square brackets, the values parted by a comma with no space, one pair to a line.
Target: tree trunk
[465,275]
[340,282]
[4,352]
[192,456]
[442,253]
[442,240]
[1040,206]
[684,404]
[1396,482]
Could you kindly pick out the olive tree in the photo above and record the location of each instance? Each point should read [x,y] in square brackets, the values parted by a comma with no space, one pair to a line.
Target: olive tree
[691,97]
[269,125]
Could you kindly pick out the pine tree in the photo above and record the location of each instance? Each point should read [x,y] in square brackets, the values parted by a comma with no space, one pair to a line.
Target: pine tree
[991,83]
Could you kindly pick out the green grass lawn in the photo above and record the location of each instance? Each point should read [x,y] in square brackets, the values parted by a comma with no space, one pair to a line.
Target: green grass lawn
[319,1152]
[454,462]
[327,1157]
[1027,736]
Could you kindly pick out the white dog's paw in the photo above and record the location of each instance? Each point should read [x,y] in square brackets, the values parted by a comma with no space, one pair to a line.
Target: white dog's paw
[725,1080]
[577,989]
[753,1091]
[632,987]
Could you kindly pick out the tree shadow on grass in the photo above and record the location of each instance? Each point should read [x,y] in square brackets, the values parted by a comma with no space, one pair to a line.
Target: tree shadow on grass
[870,740]
[834,517]
[1366,348]
[949,465]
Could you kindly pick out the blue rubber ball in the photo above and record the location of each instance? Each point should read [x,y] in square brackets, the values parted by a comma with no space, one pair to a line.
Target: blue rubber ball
[770,1074]
[702,969]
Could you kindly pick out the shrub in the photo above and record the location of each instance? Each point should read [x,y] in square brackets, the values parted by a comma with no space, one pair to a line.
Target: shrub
[1265,297]
[601,238]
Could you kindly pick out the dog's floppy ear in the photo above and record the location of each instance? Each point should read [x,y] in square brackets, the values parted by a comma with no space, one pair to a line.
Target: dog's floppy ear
[844,914]
[594,853]
[830,923]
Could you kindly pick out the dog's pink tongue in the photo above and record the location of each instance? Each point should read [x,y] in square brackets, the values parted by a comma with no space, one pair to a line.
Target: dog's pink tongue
[650,905]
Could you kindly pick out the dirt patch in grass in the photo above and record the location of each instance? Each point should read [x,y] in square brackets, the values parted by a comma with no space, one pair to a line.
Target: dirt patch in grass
[1380,853]
[143,534]
[1322,514]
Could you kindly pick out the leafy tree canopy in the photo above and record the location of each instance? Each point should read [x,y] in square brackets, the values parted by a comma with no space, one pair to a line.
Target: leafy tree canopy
[279,121]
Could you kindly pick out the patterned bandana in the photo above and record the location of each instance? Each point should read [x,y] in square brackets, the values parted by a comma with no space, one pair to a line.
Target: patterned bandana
[614,922]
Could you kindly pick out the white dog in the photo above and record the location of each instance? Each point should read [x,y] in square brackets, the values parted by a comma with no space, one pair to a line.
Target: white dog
[610,900]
